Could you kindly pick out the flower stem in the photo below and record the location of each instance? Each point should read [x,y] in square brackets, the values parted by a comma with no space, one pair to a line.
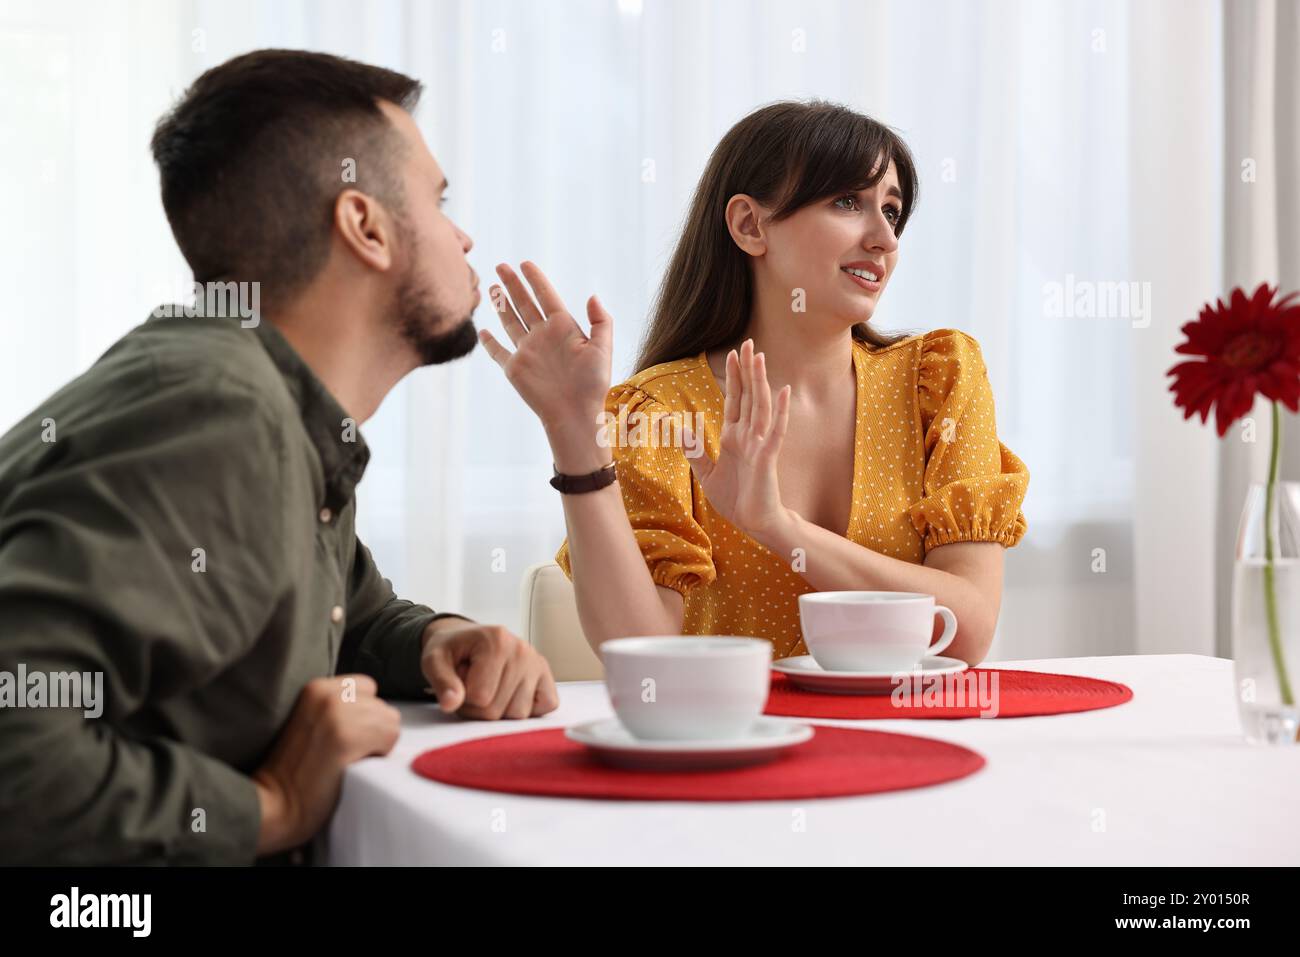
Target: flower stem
[1270,592]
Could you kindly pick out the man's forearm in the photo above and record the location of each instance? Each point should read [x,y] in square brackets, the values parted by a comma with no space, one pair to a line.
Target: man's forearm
[94,797]
[445,622]
[390,645]
[75,788]
[386,635]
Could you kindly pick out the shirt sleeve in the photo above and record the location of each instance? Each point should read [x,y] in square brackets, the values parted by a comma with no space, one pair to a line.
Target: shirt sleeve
[384,636]
[973,485]
[97,582]
[655,480]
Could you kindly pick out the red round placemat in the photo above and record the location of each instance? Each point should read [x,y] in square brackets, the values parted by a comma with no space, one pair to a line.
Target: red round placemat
[835,763]
[1019,694]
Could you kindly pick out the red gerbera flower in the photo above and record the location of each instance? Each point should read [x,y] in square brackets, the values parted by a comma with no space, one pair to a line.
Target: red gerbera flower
[1250,347]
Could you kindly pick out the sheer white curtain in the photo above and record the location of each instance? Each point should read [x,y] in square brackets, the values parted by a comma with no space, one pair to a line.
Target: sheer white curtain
[1262,233]
[1177,107]
[573,133]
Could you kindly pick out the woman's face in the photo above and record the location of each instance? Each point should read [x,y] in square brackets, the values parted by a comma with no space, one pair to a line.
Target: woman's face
[821,247]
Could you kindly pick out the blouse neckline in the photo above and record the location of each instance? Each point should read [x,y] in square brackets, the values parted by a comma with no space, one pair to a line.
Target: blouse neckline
[859,427]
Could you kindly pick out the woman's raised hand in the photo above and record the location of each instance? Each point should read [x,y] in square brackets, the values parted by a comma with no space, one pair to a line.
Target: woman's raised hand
[742,484]
[560,371]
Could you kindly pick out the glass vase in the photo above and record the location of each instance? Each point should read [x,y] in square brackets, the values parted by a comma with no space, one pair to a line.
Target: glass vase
[1266,614]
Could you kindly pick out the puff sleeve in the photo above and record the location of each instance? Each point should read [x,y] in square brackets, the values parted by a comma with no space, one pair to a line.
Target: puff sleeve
[655,479]
[973,484]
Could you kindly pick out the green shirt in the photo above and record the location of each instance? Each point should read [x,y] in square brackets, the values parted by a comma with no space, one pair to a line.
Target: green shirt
[180,518]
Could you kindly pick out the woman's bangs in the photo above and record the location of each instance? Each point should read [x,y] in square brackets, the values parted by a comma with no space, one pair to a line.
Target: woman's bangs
[843,156]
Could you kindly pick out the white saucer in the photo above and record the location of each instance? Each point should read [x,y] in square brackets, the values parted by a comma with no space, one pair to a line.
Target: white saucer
[805,673]
[614,744]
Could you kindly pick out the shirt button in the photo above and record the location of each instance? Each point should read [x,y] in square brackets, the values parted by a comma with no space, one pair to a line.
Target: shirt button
[325,516]
[336,614]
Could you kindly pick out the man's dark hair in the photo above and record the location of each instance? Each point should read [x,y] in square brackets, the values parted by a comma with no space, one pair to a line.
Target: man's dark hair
[257,150]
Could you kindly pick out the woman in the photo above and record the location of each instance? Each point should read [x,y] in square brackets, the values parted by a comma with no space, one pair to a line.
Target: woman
[836,457]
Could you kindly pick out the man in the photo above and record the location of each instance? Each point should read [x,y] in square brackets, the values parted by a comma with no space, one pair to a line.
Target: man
[179,521]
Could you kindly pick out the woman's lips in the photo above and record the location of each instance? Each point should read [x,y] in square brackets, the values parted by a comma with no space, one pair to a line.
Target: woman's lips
[864,283]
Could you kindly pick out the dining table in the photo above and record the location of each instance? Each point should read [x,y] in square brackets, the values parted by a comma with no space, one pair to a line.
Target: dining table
[1166,778]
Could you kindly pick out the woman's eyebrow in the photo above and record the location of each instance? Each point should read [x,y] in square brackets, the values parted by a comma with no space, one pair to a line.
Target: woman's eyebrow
[892,191]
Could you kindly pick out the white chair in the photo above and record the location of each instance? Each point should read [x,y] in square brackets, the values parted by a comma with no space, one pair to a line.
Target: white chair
[550,624]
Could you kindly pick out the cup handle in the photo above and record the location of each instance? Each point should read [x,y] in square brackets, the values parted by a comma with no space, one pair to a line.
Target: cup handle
[949,631]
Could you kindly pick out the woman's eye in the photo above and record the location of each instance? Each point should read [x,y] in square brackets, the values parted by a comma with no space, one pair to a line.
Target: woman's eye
[894,210]
[850,197]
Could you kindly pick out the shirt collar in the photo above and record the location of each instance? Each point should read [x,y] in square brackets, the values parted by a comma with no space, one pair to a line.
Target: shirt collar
[333,433]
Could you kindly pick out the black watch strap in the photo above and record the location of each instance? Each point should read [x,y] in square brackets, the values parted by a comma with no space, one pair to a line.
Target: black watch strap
[577,484]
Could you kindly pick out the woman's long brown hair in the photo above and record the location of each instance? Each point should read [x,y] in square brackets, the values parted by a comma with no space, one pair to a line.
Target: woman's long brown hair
[785,155]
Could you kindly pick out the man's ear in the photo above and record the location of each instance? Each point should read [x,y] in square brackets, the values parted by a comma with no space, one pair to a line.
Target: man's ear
[365,228]
[746,224]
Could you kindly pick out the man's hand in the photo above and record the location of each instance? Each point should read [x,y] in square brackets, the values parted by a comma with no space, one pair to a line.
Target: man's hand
[483,671]
[336,721]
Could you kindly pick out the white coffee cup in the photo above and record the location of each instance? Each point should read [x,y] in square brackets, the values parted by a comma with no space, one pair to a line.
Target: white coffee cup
[678,687]
[872,630]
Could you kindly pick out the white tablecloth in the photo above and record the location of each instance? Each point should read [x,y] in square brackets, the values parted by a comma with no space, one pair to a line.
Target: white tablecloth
[1165,778]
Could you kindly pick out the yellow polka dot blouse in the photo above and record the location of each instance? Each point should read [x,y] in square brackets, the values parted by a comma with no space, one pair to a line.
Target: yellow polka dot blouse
[929,470]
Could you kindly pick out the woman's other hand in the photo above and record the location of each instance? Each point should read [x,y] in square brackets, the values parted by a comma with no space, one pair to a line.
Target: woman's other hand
[742,484]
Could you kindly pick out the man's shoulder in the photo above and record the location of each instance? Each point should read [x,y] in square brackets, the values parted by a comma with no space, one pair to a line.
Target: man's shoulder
[215,355]
[169,379]
[213,368]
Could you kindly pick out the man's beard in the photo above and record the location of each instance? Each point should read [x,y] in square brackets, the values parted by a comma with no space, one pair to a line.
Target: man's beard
[419,315]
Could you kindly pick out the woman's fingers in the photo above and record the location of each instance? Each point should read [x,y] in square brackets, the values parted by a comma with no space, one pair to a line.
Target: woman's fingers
[762,397]
[602,324]
[746,382]
[495,350]
[775,439]
[700,464]
[731,407]
[510,320]
[528,311]
[547,297]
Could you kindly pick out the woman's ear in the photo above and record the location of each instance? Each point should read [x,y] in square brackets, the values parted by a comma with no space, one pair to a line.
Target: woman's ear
[746,224]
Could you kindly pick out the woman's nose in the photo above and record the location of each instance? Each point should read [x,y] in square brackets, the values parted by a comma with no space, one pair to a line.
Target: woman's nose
[880,235]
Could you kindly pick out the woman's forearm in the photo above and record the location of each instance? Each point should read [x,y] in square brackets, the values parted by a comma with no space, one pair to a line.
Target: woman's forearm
[563,375]
[830,562]
[615,594]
